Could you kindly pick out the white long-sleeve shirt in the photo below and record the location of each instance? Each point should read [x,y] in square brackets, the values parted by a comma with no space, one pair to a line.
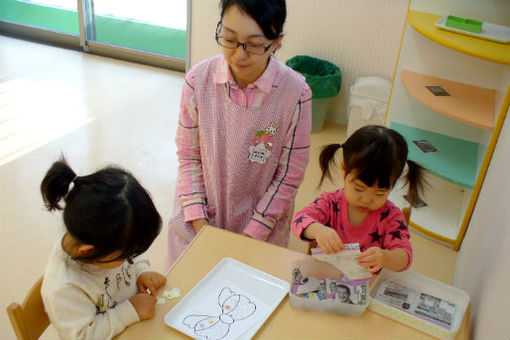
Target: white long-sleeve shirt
[85,301]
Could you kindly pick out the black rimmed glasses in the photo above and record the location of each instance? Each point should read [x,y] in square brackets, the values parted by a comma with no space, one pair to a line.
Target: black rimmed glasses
[257,49]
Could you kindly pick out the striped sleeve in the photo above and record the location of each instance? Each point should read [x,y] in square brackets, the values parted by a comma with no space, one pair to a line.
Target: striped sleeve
[190,182]
[289,174]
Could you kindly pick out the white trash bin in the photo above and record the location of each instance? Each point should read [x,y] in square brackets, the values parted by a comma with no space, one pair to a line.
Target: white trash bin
[367,102]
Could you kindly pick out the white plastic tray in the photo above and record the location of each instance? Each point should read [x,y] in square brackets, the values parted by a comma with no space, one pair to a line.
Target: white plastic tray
[203,313]
[489,31]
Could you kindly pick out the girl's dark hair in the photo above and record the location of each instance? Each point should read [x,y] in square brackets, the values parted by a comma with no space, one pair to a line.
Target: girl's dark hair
[377,155]
[108,209]
[270,15]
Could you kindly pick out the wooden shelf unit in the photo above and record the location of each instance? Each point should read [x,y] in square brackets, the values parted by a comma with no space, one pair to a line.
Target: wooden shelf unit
[480,48]
[455,159]
[466,103]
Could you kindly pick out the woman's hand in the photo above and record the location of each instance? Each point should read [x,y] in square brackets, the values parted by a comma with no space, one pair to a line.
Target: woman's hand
[151,281]
[372,259]
[144,305]
[327,238]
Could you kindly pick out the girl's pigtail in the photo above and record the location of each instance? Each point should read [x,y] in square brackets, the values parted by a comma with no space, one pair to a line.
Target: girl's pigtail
[326,159]
[416,181]
[55,184]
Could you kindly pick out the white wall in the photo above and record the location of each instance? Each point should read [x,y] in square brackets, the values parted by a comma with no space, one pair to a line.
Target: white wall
[483,269]
[362,37]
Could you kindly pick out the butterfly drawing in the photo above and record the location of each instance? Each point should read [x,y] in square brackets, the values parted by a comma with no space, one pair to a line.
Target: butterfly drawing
[234,307]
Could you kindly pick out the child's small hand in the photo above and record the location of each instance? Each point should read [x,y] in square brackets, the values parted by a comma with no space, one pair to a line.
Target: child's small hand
[328,240]
[144,305]
[151,281]
[372,259]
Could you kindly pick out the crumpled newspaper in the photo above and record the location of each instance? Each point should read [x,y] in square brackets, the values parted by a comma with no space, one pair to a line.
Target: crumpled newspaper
[169,294]
[346,260]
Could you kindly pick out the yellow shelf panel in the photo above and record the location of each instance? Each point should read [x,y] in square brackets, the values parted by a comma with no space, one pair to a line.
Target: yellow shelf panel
[466,103]
[480,48]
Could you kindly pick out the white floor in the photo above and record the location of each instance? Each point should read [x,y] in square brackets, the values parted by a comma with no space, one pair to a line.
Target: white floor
[97,111]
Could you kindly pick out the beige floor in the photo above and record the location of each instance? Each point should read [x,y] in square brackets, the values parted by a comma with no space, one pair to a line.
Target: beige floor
[98,111]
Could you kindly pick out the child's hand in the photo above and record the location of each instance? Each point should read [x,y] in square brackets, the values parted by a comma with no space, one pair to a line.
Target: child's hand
[151,281]
[328,239]
[372,259]
[144,305]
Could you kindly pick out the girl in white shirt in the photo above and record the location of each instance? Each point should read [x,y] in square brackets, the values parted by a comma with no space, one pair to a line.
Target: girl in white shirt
[95,283]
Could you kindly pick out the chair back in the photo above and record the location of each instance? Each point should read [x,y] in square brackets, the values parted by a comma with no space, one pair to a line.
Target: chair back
[29,320]
[406,211]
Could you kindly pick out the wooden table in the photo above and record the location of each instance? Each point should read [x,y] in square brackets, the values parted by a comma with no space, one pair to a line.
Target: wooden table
[213,244]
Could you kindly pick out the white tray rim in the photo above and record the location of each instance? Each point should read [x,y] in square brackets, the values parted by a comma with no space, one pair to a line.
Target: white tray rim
[491,34]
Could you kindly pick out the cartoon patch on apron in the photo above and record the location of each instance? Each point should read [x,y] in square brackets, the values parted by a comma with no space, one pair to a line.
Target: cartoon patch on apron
[262,144]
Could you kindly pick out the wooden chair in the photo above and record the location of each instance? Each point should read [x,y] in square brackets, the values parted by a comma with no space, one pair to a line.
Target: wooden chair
[29,319]
[406,211]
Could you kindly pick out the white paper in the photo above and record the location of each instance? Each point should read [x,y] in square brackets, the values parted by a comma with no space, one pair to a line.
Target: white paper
[346,260]
[226,312]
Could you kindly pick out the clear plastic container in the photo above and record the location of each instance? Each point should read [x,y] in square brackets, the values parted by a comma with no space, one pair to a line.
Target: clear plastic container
[311,268]
[430,306]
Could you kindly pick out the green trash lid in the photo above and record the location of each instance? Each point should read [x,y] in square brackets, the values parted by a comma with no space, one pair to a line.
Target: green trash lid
[323,77]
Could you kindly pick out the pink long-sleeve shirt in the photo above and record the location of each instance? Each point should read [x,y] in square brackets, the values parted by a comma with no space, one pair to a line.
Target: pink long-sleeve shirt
[242,152]
[385,228]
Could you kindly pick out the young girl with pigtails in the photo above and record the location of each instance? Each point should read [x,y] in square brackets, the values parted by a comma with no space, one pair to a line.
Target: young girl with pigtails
[373,160]
[95,283]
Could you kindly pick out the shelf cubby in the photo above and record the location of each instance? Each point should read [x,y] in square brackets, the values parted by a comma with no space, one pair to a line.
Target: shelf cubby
[480,48]
[442,216]
[455,159]
[469,104]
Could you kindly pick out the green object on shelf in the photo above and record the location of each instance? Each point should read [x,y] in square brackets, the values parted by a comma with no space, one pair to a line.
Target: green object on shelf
[463,24]
[455,159]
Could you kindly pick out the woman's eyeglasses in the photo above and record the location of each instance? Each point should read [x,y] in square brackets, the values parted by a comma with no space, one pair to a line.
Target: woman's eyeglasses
[257,49]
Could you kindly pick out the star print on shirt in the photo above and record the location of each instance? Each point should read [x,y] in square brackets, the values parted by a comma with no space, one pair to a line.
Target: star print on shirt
[375,237]
[396,234]
[328,222]
[299,220]
[317,200]
[384,214]
[401,225]
[335,207]
[319,209]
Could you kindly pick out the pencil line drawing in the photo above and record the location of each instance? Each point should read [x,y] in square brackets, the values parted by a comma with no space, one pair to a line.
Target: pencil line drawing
[234,307]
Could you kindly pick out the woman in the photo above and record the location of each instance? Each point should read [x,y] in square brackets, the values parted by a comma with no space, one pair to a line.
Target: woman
[244,132]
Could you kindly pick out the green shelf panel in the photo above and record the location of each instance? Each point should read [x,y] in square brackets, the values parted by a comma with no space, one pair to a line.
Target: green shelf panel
[455,159]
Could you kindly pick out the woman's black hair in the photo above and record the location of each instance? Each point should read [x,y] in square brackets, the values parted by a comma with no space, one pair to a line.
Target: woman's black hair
[108,209]
[270,15]
[377,155]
